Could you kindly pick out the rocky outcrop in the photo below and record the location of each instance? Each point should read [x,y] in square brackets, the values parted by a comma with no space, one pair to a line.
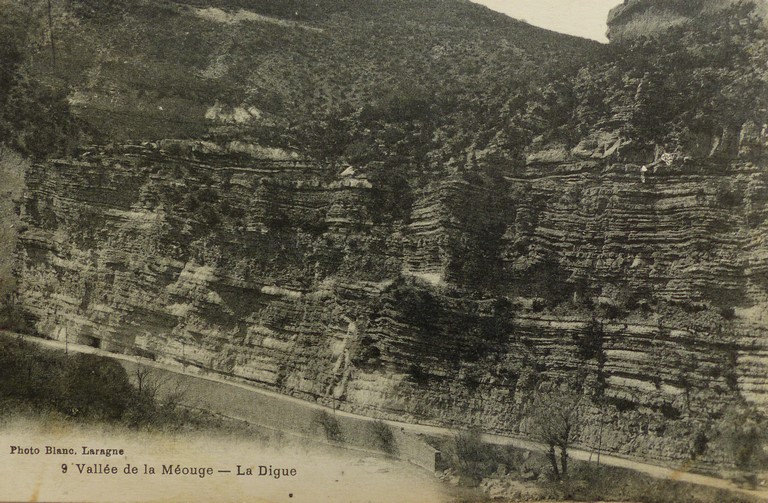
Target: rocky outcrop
[296,278]
[635,18]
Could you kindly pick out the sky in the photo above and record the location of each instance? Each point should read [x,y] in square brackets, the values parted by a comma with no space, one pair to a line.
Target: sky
[584,18]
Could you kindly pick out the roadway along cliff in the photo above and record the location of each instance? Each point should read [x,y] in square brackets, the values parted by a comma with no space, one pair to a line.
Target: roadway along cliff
[643,296]
[242,402]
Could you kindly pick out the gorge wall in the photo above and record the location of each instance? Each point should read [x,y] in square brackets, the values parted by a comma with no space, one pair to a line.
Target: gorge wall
[451,304]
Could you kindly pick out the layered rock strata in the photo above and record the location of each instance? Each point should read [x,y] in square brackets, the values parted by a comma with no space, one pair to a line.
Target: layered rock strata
[298,279]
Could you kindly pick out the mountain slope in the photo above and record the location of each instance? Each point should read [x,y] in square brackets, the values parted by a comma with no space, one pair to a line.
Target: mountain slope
[139,69]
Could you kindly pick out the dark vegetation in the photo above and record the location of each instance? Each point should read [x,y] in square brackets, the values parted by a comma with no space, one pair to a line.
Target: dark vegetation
[698,78]
[409,72]
[430,313]
[742,433]
[87,388]
[556,416]
[384,437]
[473,459]
[555,419]
[35,118]
[12,167]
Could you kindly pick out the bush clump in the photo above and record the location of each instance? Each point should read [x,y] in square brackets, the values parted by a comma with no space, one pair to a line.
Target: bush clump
[85,387]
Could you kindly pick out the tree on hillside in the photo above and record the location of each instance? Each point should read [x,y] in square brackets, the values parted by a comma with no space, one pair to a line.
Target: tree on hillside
[554,419]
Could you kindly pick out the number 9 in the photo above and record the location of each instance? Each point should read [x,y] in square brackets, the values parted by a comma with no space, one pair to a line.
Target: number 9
[64,468]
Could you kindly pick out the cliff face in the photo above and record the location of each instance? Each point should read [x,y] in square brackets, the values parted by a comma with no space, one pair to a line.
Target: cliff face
[645,294]
[12,183]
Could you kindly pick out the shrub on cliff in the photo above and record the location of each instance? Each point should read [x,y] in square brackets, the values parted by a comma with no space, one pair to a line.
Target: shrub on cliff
[418,305]
[418,375]
[546,281]
[727,196]
[391,198]
[743,435]
[728,313]
[590,345]
[365,353]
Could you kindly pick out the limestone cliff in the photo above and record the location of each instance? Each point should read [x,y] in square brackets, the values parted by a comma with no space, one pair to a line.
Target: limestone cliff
[646,295]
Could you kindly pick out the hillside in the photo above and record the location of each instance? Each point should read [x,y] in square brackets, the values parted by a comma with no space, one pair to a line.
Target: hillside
[136,69]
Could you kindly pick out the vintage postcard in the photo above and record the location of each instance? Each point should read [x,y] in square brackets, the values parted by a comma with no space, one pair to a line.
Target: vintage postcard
[388,251]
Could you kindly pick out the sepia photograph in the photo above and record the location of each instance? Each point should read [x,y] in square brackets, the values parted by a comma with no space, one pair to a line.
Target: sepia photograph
[384,251]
